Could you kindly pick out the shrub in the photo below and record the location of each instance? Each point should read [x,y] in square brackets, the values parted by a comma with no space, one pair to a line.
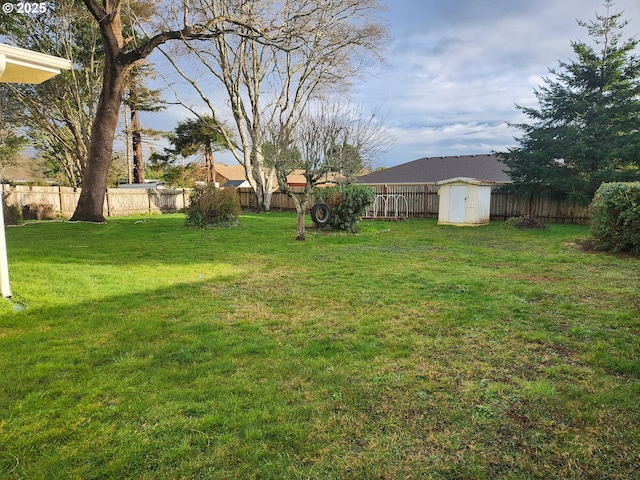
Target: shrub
[38,211]
[615,217]
[212,207]
[347,204]
[12,214]
[526,222]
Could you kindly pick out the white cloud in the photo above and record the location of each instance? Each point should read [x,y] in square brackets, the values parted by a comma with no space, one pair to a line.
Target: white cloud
[457,69]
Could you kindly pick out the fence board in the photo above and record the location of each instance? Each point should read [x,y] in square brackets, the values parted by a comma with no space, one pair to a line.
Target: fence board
[279,200]
[504,206]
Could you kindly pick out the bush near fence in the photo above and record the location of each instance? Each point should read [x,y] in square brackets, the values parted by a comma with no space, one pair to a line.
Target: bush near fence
[422,201]
[616,217]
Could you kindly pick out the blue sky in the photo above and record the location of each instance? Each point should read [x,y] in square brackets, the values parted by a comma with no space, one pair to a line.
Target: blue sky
[455,69]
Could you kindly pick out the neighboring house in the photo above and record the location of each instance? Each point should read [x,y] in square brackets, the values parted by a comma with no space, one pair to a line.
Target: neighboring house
[233,175]
[429,171]
[297,179]
[25,171]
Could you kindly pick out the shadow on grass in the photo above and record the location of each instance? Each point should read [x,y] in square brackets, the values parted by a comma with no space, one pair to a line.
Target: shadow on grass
[172,381]
[196,381]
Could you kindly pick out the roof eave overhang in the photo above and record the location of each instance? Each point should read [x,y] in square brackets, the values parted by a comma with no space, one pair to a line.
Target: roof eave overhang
[468,180]
[18,65]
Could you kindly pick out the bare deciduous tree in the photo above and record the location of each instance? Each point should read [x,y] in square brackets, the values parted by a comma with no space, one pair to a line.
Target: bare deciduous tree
[323,142]
[317,49]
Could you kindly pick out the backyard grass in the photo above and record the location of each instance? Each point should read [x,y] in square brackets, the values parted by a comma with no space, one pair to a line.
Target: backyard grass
[142,349]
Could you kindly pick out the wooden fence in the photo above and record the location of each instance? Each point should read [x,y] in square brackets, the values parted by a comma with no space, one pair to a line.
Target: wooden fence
[421,202]
[118,202]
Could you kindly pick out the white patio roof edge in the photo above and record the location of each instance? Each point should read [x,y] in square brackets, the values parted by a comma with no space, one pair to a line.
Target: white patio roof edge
[18,65]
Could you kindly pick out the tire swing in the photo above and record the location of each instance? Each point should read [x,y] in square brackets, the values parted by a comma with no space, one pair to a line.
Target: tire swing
[320,214]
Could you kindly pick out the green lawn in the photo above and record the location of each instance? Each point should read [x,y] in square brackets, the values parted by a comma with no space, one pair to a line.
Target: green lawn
[141,349]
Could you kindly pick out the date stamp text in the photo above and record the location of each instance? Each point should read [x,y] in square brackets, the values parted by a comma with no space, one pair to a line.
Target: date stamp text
[26,8]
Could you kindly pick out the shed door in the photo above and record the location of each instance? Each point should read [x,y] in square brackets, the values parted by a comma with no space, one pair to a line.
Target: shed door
[457,203]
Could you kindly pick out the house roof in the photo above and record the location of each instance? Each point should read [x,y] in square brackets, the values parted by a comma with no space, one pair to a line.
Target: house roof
[297,178]
[237,183]
[436,169]
[235,175]
[230,172]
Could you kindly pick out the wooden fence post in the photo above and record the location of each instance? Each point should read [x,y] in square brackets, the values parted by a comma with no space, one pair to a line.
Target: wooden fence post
[106,199]
[425,214]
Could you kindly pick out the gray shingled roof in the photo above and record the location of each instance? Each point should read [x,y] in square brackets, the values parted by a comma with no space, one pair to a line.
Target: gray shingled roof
[436,169]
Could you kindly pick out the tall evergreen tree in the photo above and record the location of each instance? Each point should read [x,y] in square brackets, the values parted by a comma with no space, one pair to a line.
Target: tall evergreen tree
[140,98]
[203,135]
[586,130]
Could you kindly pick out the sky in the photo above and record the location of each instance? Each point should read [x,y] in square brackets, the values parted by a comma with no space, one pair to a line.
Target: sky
[455,69]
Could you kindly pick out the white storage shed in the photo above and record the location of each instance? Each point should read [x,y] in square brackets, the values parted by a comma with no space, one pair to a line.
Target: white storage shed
[464,201]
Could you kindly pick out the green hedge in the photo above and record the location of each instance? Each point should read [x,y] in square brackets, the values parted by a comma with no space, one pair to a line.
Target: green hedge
[615,217]
[212,207]
[347,204]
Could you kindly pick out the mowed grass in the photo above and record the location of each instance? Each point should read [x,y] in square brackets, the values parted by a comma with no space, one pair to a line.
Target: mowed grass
[142,349]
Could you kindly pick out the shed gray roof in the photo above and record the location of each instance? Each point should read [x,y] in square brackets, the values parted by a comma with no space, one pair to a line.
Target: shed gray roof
[436,169]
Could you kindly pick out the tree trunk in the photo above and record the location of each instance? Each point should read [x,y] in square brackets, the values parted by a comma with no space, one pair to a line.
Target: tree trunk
[269,181]
[263,192]
[211,164]
[263,196]
[127,129]
[136,143]
[267,200]
[301,210]
[94,183]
